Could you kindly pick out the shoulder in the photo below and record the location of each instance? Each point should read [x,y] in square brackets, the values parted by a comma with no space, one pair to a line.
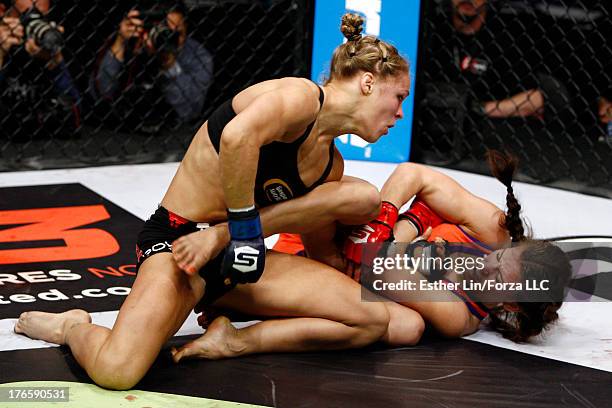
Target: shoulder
[485,223]
[300,105]
[194,48]
[276,110]
[194,44]
[293,100]
[301,94]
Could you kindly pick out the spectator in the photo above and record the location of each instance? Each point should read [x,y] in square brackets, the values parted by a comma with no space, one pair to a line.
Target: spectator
[597,57]
[584,61]
[37,94]
[485,77]
[152,71]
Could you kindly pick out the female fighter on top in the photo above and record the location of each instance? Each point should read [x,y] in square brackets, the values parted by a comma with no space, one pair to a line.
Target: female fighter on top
[270,146]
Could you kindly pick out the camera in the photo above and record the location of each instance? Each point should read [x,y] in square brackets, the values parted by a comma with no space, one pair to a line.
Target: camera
[163,38]
[44,33]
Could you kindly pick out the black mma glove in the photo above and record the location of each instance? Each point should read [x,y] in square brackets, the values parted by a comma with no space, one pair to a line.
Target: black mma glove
[432,255]
[245,256]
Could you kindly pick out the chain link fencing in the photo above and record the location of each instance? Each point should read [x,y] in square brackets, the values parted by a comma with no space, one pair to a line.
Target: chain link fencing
[119,96]
[532,78]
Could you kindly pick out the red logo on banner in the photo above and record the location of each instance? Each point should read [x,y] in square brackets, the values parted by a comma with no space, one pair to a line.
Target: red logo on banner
[56,224]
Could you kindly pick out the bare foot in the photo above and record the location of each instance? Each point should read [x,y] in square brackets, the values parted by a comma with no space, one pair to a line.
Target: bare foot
[221,340]
[192,251]
[50,327]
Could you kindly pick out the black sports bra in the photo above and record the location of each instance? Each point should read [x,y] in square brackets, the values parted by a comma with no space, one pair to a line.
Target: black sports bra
[278,178]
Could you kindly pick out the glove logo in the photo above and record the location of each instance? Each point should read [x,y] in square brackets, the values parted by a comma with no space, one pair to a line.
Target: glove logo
[361,236]
[245,259]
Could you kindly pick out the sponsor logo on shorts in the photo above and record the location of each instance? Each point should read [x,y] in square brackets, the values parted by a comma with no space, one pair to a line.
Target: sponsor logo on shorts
[176,220]
[155,248]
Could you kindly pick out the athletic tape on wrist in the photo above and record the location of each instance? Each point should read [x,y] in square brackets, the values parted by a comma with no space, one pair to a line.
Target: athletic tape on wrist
[244,224]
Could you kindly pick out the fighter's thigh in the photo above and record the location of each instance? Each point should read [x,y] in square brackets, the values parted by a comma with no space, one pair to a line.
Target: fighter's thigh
[160,300]
[296,286]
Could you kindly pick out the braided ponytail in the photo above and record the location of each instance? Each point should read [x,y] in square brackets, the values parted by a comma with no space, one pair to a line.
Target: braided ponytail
[540,260]
[503,167]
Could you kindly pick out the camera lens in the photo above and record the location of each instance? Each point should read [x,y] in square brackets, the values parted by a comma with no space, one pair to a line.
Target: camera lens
[163,38]
[45,34]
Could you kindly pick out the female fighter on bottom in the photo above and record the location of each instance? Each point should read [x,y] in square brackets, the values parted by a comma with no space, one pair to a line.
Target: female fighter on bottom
[448,211]
[457,216]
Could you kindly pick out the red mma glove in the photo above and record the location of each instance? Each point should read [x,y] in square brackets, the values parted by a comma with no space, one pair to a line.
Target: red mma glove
[421,216]
[378,230]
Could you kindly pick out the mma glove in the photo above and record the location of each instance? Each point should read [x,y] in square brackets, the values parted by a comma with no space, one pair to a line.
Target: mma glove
[245,256]
[433,253]
[421,217]
[377,231]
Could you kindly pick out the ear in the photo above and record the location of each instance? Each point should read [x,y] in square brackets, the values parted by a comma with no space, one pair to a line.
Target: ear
[367,83]
[511,307]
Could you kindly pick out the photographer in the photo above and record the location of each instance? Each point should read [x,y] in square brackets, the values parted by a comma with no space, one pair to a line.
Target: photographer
[486,82]
[38,97]
[152,73]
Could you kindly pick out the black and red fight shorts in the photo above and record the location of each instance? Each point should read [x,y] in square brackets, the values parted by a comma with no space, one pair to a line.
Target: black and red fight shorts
[157,235]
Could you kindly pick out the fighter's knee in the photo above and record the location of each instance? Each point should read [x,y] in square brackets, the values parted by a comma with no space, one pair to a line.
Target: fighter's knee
[415,331]
[408,168]
[118,381]
[373,326]
[116,373]
[363,199]
[405,329]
